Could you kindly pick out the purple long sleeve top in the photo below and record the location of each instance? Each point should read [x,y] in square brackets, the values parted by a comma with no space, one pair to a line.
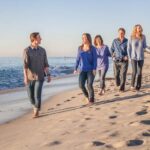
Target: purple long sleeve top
[103,55]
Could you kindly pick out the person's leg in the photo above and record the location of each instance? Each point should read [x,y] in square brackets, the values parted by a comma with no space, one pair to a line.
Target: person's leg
[90,80]
[123,73]
[82,80]
[103,75]
[134,71]
[139,74]
[30,90]
[116,68]
[100,90]
[38,93]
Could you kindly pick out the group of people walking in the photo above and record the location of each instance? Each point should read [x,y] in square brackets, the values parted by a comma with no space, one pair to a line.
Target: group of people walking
[90,59]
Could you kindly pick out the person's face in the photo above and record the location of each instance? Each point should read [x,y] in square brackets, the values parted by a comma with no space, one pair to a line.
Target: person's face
[38,39]
[121,34]
[98,41]
[138,29]
[84,39]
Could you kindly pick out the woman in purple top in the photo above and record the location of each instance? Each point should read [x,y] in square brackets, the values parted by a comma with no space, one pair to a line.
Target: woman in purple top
[102,61]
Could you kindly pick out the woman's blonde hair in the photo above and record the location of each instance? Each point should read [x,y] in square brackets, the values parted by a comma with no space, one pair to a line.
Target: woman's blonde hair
[134,31]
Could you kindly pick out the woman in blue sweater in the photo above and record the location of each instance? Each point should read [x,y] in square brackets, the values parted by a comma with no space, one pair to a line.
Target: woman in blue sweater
[86,62]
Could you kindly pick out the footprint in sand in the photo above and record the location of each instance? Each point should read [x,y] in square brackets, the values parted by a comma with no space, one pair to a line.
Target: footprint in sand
[135,142]
[98,143]
[116,112]
[114,134]
[116,95]
[65,133]
[58,104]
[112,123]
[112,117]
[142,112]
[51,109]
[147,133]
[97,108]
[147,101]
[68,100]
[109,146]
[82,125]
[88,118]
[80,93]
[54,143]
[146,122]
[134,123]
[73,97]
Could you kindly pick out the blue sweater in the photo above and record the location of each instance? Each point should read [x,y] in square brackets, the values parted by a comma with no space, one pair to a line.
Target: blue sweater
[86,60]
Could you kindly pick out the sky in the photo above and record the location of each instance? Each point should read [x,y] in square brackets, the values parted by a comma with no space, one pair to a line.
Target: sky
[62,22]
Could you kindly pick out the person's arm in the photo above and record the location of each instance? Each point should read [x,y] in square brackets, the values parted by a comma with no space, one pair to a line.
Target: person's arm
[94,60]
[125,58]
[25,66]
[108,51]
[77,61]
[129,49]
[144,42]
[46,67]
[112,49]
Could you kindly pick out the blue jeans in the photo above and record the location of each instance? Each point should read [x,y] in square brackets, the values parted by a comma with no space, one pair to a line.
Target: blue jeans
[89,77]
[34,90]
[137,71]
[102,75]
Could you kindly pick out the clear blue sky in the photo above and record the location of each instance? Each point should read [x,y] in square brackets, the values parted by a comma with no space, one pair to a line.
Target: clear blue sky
[62,22]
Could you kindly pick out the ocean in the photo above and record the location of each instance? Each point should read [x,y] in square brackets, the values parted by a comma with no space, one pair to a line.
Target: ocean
[11,70]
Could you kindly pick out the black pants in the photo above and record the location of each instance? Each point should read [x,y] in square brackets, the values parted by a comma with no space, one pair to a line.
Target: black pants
[89,77]
[137,71]
[120,72]
[102,75]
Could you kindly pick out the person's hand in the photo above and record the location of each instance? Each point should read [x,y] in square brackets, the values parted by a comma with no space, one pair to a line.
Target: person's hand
[75,72]
[113,55]
[94,72]
[49,79]
[26,81]
[125,58]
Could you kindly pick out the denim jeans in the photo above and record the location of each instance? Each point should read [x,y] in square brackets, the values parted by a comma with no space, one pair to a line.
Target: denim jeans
[34,90]
[89,77]
[120,72]
[137,70]
[102,75]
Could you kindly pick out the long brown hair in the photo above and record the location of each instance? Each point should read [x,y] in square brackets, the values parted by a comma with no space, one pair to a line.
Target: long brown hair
[101,39]
[134,31]
[88,36]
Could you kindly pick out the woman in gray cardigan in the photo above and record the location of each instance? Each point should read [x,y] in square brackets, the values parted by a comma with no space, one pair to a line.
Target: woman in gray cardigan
[136,46]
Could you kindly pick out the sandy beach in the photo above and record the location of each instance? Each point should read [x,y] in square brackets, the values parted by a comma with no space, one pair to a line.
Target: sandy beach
[117,121]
